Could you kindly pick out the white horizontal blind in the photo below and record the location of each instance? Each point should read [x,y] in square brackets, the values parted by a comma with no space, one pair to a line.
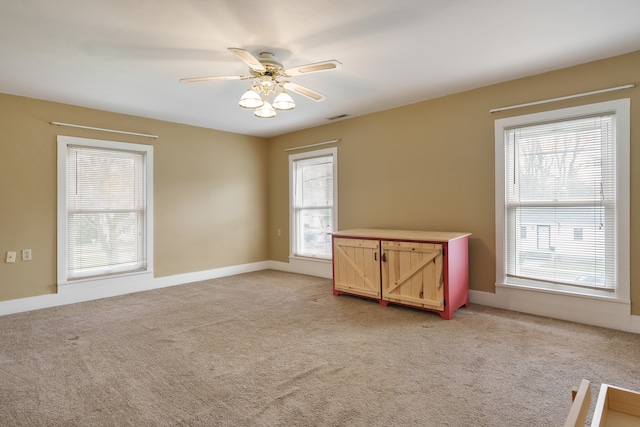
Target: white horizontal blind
[106,206]
[313,206]
[560,202]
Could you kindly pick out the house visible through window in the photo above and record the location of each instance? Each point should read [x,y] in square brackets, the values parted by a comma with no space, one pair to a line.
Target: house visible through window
[543,237]
[562,176]
[313,185]
[103,207]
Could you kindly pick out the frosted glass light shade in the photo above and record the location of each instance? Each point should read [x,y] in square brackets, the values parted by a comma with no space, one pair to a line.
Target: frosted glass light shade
[265,112]
[250,99]
[283,102]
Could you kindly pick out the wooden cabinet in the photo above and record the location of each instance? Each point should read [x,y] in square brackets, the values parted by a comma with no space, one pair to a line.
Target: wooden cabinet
[413,274]
[422,269]
[356,266]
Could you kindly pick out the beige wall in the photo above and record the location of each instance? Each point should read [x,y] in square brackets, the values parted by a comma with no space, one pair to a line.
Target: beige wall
[209,186]
[220,198]
[430,166]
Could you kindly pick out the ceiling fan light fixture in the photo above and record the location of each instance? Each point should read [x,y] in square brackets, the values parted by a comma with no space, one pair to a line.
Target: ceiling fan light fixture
[267,81]
[283,102]
[250,99]
[267,73]
[265,112]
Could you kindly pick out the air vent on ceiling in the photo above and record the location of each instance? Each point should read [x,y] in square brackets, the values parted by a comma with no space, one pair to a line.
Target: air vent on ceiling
[341,116]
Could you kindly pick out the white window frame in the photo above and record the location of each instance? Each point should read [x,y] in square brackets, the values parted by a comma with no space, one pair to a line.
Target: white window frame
[116,278]
[621,109]
[332,151]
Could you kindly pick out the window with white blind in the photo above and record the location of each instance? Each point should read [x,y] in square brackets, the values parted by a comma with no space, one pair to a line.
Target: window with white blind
[562,199]
[104,210]
[313,195]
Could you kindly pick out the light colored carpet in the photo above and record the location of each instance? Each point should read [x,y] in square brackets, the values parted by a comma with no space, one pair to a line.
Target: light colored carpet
[278,349]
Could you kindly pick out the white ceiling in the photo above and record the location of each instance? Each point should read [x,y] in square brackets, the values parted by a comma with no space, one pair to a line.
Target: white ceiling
[127,56]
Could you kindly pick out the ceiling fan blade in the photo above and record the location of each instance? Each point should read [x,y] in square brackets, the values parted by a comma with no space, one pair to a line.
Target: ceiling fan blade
[248,59]
[206,79]
[304,91]
[313,68]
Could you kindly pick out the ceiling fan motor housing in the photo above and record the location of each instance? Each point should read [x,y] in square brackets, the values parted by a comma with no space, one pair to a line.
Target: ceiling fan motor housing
[272,67]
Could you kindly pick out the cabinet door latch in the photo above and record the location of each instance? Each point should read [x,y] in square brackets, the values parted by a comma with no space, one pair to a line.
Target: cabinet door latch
[384,257]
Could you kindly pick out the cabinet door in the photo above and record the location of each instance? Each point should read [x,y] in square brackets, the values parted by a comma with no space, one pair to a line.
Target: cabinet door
[412,274]
[356,266]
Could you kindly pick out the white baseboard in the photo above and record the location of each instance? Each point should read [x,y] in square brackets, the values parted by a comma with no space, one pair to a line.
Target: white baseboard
[610,314]
[73,293]
[302,266]
[635,324]
[181,279]
[91,290]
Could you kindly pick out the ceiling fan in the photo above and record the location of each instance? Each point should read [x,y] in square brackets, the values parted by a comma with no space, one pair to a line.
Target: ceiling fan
[269,77]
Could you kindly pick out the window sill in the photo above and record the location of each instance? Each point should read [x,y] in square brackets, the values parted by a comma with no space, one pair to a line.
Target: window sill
[121,279]
[595,294]
[611,312]
[312,259]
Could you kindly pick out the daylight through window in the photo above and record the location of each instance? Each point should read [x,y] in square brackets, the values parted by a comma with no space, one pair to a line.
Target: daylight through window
[313,202]
[561,177]
[105,211]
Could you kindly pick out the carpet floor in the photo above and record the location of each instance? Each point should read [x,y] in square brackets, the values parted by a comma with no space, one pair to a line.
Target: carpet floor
[278,349]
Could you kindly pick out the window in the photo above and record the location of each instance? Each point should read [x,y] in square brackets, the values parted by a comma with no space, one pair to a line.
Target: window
[560,172]
[313,194]
[104,212]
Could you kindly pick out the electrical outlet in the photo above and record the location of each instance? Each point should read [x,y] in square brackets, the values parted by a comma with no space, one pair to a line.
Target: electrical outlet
[11,257]
[26,254]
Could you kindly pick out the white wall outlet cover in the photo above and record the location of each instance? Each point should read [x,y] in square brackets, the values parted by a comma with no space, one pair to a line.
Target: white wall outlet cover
[11,257]
[26,254]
